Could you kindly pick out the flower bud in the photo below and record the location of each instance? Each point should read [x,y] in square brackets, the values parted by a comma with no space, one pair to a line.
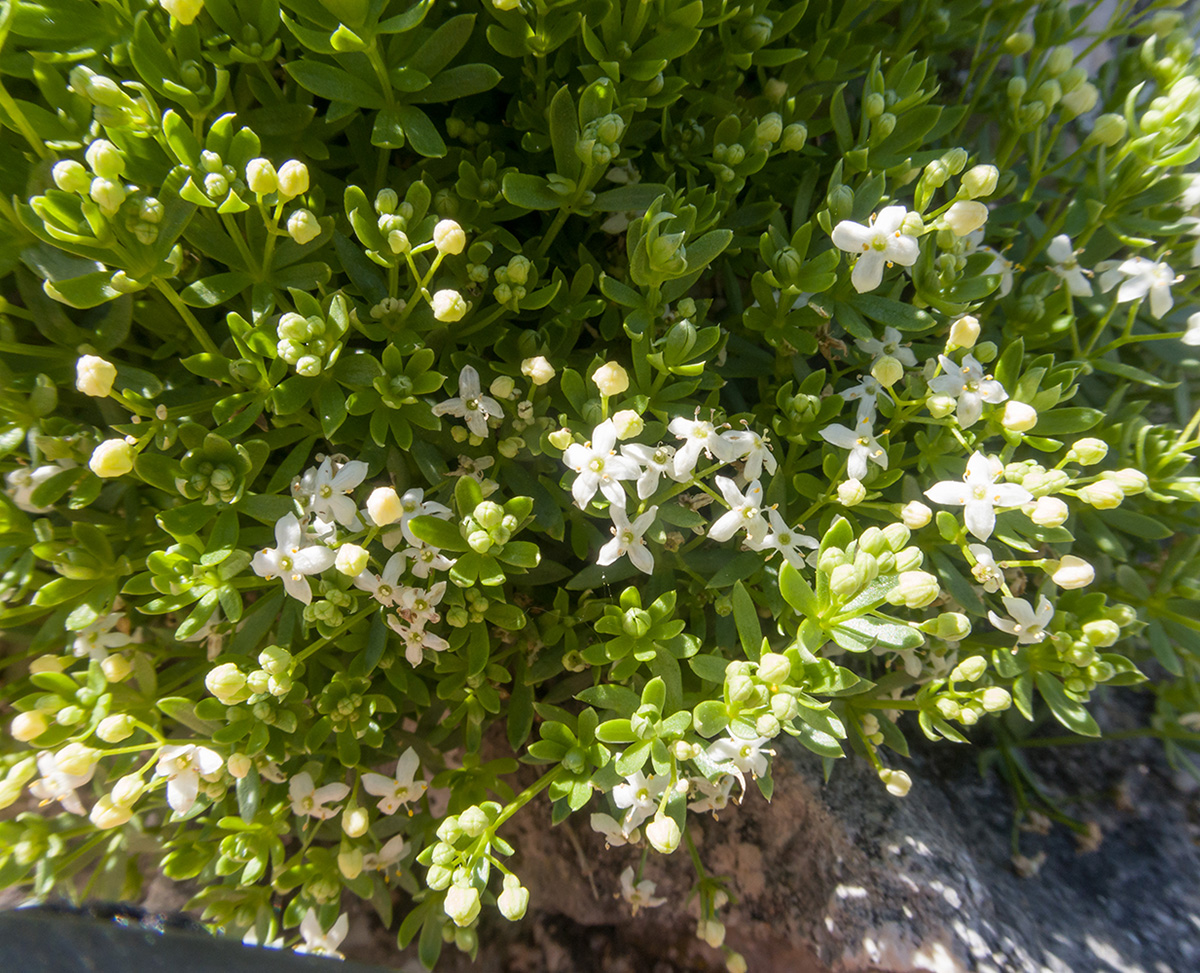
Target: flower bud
[384,506]
[915,515]
[1103,494]
[185,11]
[116,668]
[398,242]
[663,834]
[611,379]
[513,900]
[980,181]
[474,822]
[502,386]
[897,782]
[1087,452]
[1082,100]
[736,963]
[794,137]
[1049,512]
[71,177]
[275,660]
[1130,481]
[969,670]
[26,726]
[350,863]
[774,668]
[964,332]
[1108,129]
[950,627]
[784,707]
[538,370]
[845,581]
[1073,572]
[940,406]
[113,457]
[995,699]
[115,728]
[239,765]
[914,589]
[769,128]
[227,683]
[355,821]
[1101,633]
[462,904]
[887,371]
[1016,88]
[438,877]
[261,177]
[105,159]
[94,376]
[352,560]
[106,815]
[1018,43]
[851,492]
[1018,416]
[711,931]
[628,424]
[76,759]
[303,226]
[292,179]
[127,790]
[449,830]
[561,438]
[965,216]
[448,305]
[449,237]
[1059,60]
[106,194]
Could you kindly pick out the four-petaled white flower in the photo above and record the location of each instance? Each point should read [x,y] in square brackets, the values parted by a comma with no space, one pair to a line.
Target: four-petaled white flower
[1139,277]
[99,637]
[318,941]
[698,437]
[416,640]
[979,494]
[882,242]
[599,467]
[967,384]
[862,444]
[291,561]
[183,765]
[608,826]
[656,461]
[986,572]
[395,792]
[888,346]
[385,588]
[745,512]
[326,494]
[387,856]
[1026,624]
[417,604]
[56,784]
[640,795]
[864,393]
[785,540]
[640,896]
[740,757]
[471,404]
[714,794]
[754,449]
[310,801]
[1067,267]
[627,539]
[426,558]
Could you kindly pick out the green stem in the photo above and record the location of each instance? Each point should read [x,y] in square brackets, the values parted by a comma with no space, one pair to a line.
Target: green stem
[21,123]
[189,318]
[239,241]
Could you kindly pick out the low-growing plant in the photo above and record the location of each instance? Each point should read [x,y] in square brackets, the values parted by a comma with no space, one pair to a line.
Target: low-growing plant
[395,393]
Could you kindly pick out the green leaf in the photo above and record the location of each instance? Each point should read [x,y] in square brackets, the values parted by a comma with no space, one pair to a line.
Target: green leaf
[438,532]
[745,617]
[333,83]
[421,133]
[457,82]
[1069,712]
[1059,421]
[797,592]
[564,133]
[894,314]
[710,717]
[530,192]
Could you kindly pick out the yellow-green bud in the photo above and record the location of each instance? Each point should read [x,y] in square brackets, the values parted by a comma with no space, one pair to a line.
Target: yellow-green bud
[914,589]
[774,668]
[106,815]
[513,900]
[112,458]
[462,904]
[940,406]
[71,177]
[1103,494]
[561,438]
[1018,43]
[1060,59]
[887,371]
[1049,512]
[1130,481]
[449,305]
[965,216]
[292,179]
[969,670]
[26,726]
[355,821]
[473,821]
[1018,416]
[127,790]
[851,492]
[1082,100]
[628,424]
[1108,129]
[352,560]
[995,699]
[980,180]
[897,782]
[449,237]
[76,759]
[303,226]
[115,728]
[538,370]
[239,765]
[227,683]
[794,137]
[663,834]
[116,668]
[94,376]
[261,176]
[1101,633]
[350,863]
[1087,452]
[915,515]
[611,379]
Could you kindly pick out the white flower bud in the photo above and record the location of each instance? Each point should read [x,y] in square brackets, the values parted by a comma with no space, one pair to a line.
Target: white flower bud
[980,181]
[628,424]
[915,515]
[1087,452]
[303,226]
[239,765]
[116,668]
[887,371]
[1073,572]
[897,782]
[462,905]
[384,506]
[115,728]
[513,900]
[76,759]
[105,159]
[1049,512]
[995,699]
[185,11]
[113,457]
[940,406]
[711,931]
[965,216]
[352,560]
[774,668]
[448,305]
[71,177]
[1130,481]
[474,822]
[94,376]
[26,726]
[449,237]
[1018,416]
[106,194]
[1101,633]
[964,332]
[127,790]
[292,179]
[537,370]
[611,379]
[261,176]
[663,834]
[1103,494]
[969,670]
[851,492]
[502,386]
[106,815]
[915,589]
[1082,100]
[228,683]
[355,821]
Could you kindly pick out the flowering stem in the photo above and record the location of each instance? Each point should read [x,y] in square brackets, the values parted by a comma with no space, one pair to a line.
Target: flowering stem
[526,796]
[189,318]
[240,242]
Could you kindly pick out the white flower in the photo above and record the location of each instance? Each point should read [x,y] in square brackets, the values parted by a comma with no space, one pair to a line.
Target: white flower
[426,558]
[317,941]
[325,493]
[979,494]
[740,757]
[1067,268]
[656,461]
[640,896]
[985,571]
[21,483]
[1142,277]
[1000,265]
[748,445]
[183,765]
[608,826]
[1190,337]
[715,794]
[785,540]
[94,376]
[880,243]
[99,637]
[862,444]
[1027,625]
[471,405]
[416,640]
[627,539]
[745,511]
[56,784]
[290,561]
[417,605]
[967,384]
[699,437]
[387,856]
[888,346]
[310,801]
[640,795]
[599,467]
[864,394]
[394,792]
[384,588]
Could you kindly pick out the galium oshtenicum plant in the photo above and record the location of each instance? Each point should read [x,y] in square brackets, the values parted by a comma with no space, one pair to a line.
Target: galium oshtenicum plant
[396,392]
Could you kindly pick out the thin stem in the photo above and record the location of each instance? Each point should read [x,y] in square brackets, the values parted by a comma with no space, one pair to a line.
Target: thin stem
[189,318]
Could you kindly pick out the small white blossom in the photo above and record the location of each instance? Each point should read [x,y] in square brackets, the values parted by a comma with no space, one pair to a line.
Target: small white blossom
[403,788]
[740,757]
[862,444]
[699,437]
[99,637]
[1026,624]
[1190,337]
[655,460]
[785,540]
[317,941]
[1067,267]
[745,512]
[325,493]
[864,393]
[417,604]
[310,801]
[714,794]
[57,784]
[390,854]
[888,346]
[748,445]
[883,242]
[599,467]
[183,765]
[426,558]
[639,794]
[471,404]
[614,836]
[640,896]
[1139,277]
[628,539]
[967,384]
[21,483]
[290,561]
[384,588]
[416,640]
[985,571]
[979,494]
[1000,265]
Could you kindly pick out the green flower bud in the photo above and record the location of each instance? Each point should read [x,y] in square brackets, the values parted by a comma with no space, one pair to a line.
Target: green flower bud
[845,581]
[774,668]
[663,834]
[841,203]
[474,822]
[1059,60]
[851,492]
[915,589]
[794,137]
[1103,494]
[227,683]
[1016,89]
[980,181]
[1087,452]
[784,707]
[872,541]
[915,515]
[1108,129]
[450,831]
[112,458]
[438,877]
[1101,633]
[1130,481]
[887,371]
[261,177]
[971,669]
[1018,43]
[884,125]
[995,699]
[71,177]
